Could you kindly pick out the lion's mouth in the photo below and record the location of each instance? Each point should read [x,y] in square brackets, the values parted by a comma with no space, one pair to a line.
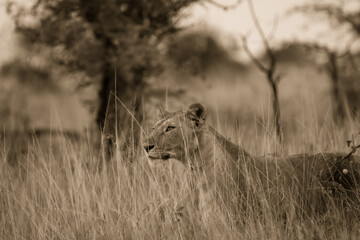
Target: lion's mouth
[165,157]
[160,156]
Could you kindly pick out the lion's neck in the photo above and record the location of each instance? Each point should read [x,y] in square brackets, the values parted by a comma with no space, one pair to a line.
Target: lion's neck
[214,148]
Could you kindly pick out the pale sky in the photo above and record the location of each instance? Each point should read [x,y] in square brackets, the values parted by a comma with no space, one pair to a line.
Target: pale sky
[237,22]
[6,37]
[233,23]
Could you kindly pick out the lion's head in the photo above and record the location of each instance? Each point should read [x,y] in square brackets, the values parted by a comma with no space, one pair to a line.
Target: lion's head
[175,135]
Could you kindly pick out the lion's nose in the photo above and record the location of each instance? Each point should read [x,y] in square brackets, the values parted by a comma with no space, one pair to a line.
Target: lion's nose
[148,147]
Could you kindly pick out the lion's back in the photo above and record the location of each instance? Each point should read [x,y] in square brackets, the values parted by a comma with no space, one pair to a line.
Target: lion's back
[322,168]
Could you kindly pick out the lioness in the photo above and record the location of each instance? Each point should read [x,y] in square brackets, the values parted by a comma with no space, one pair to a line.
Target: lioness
[185,136]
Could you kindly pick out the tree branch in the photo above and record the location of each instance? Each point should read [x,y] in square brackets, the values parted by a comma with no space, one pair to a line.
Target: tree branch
[274,28]
[269,71]
[332,11]
[224,7]
[252,57]
[265,41]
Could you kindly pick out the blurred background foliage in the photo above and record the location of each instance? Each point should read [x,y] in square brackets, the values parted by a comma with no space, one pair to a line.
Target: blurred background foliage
[114,43]
[107,65]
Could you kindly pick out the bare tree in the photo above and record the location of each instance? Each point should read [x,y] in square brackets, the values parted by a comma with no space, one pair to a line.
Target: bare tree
[268,69]
[336,14]
[340,104]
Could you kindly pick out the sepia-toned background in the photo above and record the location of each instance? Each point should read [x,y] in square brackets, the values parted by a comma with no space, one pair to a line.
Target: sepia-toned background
[51,78]
[82,81]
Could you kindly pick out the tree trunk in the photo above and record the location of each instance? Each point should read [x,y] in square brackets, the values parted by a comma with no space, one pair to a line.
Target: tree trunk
[133,132]
[106,118]
[113,117]
[338,98]
[276,109]
[104,94]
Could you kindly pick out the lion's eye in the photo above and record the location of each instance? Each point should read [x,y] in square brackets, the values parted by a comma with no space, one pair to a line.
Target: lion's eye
[169,128]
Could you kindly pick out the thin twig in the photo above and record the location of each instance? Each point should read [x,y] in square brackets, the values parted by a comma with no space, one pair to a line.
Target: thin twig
[252,57]
[353,150]
[262,34]
[274,28]
[224,7]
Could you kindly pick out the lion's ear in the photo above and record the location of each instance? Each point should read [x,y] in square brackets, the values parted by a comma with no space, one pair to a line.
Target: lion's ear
[198,110]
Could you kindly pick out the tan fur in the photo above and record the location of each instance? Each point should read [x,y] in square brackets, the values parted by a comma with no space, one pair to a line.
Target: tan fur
[224,166]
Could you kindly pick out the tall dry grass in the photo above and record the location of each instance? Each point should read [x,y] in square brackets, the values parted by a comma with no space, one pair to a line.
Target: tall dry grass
[56,191]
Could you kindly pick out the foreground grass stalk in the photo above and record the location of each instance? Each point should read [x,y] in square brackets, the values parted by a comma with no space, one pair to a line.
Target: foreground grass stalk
[59,193]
